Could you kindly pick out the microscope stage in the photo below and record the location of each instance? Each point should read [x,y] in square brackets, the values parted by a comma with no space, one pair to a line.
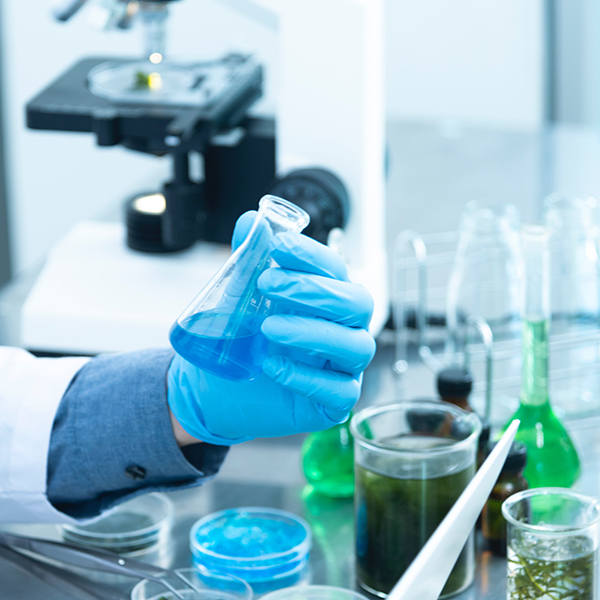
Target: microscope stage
[204,98]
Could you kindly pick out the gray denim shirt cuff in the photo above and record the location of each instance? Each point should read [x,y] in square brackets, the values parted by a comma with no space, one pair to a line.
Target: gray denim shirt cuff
[112,437]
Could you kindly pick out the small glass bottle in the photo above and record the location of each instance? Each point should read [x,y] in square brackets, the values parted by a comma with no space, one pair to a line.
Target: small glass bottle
[220,331]
[552,459]
[510,481]
[328,461]
[483,446]
[454,384]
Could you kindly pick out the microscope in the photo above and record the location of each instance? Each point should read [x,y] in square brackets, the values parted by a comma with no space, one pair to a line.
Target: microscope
[323,150]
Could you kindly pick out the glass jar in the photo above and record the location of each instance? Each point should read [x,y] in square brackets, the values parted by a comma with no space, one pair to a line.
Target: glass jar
[485,279]
[573,224]
[552,539]
[412,461]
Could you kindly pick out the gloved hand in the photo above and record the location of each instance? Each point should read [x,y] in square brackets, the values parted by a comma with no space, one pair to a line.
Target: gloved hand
[313,374]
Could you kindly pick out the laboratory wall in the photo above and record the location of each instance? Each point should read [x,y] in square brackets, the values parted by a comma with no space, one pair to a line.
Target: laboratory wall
[479,62]
[467,60]
[575,84]
[5,263]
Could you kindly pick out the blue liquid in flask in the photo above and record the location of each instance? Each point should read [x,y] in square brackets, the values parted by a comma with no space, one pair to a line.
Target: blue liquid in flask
[236,355]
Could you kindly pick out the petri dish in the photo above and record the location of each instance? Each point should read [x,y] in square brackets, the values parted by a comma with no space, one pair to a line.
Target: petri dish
[134,528]
[268,548]
[208,586]
[141,81]
[314,592]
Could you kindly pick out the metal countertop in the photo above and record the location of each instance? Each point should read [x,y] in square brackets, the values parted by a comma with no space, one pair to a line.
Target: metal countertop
[433,171]
[268,473]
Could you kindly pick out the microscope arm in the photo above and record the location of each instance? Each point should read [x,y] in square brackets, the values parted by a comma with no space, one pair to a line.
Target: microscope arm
[257,11]
[63,10]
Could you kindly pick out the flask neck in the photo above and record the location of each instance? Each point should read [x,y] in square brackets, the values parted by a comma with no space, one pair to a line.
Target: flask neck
[282,215]
[489,222]
[534,376]
[536,316]
[571,214]
[275,215]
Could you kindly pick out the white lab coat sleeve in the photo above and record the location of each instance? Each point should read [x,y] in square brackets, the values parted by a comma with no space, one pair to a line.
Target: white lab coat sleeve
[30,392]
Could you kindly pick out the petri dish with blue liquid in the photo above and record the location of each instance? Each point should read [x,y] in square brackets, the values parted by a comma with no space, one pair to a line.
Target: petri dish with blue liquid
[268,548]
[220,331]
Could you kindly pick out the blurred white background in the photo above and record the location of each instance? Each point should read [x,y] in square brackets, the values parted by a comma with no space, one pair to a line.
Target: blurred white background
[455,62]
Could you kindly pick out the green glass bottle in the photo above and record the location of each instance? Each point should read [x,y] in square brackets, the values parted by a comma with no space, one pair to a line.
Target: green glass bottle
[551,456]
[328,461]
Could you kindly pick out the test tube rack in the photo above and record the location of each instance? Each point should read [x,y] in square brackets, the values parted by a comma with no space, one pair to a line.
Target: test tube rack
[422,265]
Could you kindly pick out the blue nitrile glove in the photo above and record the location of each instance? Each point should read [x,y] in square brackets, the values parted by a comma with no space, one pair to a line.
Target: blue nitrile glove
[313,374]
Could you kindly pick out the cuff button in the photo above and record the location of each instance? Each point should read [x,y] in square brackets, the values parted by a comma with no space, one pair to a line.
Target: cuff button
[135,472]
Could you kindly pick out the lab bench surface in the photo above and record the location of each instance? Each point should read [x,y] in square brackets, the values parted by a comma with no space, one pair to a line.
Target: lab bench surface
[434,170]
[268,473]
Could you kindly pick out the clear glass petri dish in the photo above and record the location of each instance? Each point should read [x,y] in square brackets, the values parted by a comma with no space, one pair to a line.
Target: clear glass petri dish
[314,592]
[208,586]
[141,81]
[133,528]
[268,548]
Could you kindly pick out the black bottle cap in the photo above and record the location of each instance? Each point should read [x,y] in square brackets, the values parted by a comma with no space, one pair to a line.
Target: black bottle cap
[484,436]
[516,459]
[454,382]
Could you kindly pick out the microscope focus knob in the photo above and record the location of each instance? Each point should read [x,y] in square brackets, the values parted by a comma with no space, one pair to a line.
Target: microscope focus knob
[321,194]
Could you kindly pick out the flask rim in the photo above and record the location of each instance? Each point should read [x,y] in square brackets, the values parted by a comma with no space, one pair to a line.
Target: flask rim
[283,212]
[457,445]
[592,511]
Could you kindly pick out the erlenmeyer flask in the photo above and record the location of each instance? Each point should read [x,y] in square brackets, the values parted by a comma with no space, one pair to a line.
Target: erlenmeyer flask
[485,279]
[328,461]
[219,331]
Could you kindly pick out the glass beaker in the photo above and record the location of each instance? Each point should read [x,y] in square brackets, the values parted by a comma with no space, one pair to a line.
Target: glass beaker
[485,279]
[552,545]
[574,228]
[413,460]
[552,459]
[219,331]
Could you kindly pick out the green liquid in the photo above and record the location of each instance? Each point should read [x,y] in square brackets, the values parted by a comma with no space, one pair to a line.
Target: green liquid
[554,577]
[394,519]
[551,456]
[328,461]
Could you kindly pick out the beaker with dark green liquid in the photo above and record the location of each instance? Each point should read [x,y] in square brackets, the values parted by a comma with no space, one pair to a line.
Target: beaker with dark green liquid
[412,462]
[552,459]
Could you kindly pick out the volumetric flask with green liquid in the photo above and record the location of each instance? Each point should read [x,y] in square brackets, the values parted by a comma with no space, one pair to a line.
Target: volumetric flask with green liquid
[552,459]
[220,331]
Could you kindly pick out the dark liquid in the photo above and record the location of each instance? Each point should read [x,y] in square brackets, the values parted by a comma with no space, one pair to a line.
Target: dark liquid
[394,519]
[237,356]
